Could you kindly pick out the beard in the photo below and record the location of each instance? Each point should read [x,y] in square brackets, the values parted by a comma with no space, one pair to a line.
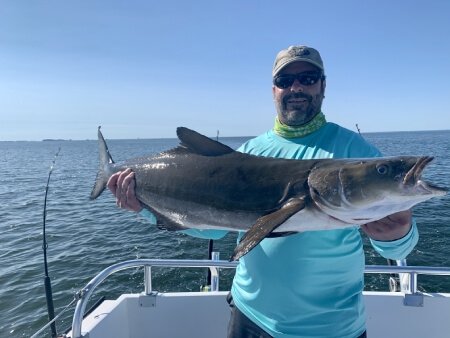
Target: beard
[297,109]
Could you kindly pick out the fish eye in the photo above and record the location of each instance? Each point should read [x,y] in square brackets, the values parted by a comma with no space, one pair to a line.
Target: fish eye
[382,169]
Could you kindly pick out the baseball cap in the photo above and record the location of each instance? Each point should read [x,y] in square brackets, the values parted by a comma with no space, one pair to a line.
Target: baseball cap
[294,54]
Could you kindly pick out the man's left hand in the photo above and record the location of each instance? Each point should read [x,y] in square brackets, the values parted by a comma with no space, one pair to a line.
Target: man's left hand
[390,228]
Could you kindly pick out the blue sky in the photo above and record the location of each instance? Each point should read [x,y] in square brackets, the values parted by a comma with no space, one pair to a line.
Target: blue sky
[142,68]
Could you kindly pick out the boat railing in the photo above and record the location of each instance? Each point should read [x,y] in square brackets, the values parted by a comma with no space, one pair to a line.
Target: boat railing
[412,296]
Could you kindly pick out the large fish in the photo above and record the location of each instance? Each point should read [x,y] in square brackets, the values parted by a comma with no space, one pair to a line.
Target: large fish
[205,184]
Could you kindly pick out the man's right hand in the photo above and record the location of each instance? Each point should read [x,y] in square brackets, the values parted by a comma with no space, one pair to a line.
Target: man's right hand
[122,185]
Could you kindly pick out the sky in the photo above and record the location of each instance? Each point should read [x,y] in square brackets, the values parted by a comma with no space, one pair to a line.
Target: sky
[142,68]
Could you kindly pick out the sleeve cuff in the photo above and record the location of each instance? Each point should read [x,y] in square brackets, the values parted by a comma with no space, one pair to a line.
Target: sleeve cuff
[399,248]
[148,215]
[205,234]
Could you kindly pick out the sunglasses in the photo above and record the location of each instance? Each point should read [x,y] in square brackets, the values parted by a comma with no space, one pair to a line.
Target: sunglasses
[284,81]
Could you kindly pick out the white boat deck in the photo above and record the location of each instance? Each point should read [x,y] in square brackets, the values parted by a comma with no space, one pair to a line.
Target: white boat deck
[205,314]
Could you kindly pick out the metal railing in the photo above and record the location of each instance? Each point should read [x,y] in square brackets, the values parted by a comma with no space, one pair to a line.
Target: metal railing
[411,271]
[84,294]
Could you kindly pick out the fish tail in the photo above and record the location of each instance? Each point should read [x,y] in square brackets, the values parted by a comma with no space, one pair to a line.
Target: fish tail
[104,167]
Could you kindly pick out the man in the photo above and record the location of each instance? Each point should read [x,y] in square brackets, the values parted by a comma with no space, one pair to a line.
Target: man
[307,284]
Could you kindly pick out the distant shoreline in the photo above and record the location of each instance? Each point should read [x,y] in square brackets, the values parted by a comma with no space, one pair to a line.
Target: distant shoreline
[222,137]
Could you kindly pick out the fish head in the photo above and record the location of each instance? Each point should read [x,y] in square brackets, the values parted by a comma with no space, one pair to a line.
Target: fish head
[358,191]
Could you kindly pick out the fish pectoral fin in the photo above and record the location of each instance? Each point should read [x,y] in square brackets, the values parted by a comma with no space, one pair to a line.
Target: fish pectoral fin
[265,225]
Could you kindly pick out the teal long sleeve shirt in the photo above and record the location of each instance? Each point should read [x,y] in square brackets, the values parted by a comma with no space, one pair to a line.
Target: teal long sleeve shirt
[309,284]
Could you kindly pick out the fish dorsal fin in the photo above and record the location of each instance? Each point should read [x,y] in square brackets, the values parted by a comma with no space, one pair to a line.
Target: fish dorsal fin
[200,144]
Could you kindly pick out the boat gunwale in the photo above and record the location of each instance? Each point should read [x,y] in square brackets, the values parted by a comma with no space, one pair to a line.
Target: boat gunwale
[84,294]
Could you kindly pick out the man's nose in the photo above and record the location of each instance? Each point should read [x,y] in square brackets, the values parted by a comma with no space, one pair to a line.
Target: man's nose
[296,86]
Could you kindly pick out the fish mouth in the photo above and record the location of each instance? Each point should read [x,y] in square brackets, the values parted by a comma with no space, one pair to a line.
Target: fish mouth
[413,178]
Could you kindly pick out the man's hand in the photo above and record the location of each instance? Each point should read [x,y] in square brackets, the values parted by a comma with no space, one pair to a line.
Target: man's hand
[390,228]
[122,186]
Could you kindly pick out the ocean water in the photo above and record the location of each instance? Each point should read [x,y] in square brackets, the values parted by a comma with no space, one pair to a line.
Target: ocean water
[86,236]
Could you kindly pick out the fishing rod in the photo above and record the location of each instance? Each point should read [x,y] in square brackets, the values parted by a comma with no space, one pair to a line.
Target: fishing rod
[47,283]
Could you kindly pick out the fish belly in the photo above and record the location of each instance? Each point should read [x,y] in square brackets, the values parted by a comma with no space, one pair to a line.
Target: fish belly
[311,219]
[199,216]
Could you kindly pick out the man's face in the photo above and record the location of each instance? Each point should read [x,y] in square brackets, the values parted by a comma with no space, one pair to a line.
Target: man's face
[298,104]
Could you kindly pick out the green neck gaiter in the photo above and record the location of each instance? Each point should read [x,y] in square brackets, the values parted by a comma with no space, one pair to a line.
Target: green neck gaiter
[286,131]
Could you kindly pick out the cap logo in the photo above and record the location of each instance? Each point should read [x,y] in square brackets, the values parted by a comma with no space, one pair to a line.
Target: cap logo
[298,51]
